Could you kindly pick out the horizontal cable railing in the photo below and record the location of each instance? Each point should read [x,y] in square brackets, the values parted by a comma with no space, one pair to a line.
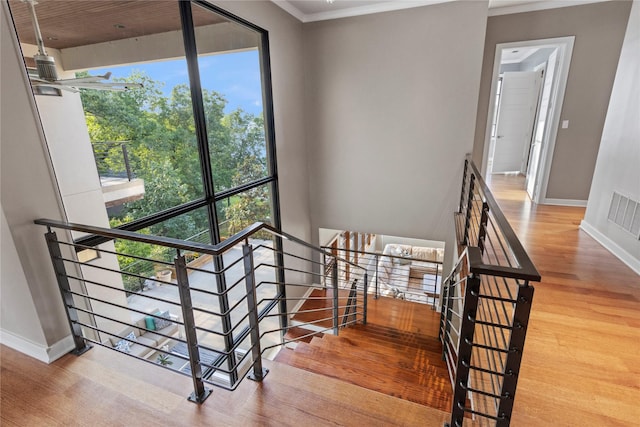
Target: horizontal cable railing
[112,159]
[486,304]
[404,276]
[214,311]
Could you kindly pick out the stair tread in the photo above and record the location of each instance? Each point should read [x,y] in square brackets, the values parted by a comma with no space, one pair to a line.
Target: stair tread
[392,340]
[417,359]
[405,369]
[421,388]
[396,353]
[295,333]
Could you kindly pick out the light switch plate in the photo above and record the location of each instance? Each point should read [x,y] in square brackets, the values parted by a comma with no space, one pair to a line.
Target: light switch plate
[565,124]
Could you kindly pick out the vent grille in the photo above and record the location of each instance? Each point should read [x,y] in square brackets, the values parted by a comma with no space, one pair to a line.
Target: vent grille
[625,212]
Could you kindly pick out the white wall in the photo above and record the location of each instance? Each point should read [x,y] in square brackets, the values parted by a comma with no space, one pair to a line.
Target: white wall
[69,146]
[28,192]
[18,315]
[618,164]
[390,106]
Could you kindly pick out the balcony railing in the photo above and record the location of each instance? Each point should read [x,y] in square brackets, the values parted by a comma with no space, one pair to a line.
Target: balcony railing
[213,322]
[486,304]
[112,159]
[403,277]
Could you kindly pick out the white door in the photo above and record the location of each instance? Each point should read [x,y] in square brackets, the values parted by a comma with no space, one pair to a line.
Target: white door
[516,114]
[541,128]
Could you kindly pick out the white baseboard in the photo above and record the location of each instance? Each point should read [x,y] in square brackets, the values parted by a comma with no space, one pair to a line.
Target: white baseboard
[611,246]
[35,350]
[564,202]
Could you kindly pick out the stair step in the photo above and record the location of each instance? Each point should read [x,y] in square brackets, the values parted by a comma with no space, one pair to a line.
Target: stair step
[374,363]
[417,359]
[297,333]
[418,387]
[396,353]
[393,340]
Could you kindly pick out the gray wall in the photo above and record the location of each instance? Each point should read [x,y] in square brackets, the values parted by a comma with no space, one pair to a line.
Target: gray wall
[598,29]
[618,166]
[390,113]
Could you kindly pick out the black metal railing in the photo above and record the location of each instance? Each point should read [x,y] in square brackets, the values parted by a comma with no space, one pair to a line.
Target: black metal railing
[486,304]
[112,159]
[404,276]
[212,321]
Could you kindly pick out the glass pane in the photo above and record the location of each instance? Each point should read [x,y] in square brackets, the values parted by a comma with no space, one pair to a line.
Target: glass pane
[143,138]
[191,226]
[237,212]
[230,74]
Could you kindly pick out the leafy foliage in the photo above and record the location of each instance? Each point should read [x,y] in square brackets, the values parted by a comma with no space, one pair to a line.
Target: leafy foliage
[160,136]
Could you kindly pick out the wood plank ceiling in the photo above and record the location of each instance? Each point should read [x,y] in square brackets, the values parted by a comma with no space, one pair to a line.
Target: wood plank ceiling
[75,23]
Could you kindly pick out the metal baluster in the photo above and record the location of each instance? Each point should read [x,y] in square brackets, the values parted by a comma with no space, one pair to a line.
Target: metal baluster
[464,182]
[366,291]
[465,347]
[467,224]
[482,230]
[376,294]
[127,166]
[447,315]
[200,392]
[442,314]
[65,293]
[334,284]
[258,372]
[514,358]
[435,287]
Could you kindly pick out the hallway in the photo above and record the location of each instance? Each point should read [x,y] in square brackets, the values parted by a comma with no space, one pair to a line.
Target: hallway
[580,359]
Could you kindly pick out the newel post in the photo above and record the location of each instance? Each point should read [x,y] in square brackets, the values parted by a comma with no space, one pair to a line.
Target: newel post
[258,373]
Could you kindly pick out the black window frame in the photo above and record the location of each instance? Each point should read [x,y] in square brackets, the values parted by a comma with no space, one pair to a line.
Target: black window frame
[210,196]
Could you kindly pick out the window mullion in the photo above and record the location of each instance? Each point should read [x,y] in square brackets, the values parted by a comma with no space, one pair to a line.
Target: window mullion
[191,54]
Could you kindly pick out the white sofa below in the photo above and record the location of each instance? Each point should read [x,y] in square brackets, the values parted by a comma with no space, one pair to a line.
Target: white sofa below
[406,269]
[144,338]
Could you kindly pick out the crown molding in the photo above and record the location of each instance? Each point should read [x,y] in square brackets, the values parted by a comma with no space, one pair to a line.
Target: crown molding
[355,11]
[290,9]
[539,5]
[406,4]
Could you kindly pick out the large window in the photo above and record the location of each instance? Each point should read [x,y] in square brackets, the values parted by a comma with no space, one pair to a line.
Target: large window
[195,127]
[186,152]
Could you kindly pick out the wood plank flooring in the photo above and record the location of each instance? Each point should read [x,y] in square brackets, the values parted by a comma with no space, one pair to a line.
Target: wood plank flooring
[581,362]
[104,388]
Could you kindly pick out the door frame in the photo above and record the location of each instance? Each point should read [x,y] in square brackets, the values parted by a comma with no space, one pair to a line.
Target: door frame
[499,119]
[565,50]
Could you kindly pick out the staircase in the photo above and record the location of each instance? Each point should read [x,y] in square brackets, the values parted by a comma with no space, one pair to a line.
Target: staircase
[396,353]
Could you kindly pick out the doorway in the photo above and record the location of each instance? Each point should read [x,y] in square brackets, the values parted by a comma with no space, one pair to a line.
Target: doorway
[527,90]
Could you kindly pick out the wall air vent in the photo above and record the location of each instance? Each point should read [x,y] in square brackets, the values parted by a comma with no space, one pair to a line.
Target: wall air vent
[625,212]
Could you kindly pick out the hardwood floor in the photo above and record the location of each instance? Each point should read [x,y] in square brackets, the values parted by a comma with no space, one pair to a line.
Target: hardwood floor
[104,388]
[396,353]
[581,362]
